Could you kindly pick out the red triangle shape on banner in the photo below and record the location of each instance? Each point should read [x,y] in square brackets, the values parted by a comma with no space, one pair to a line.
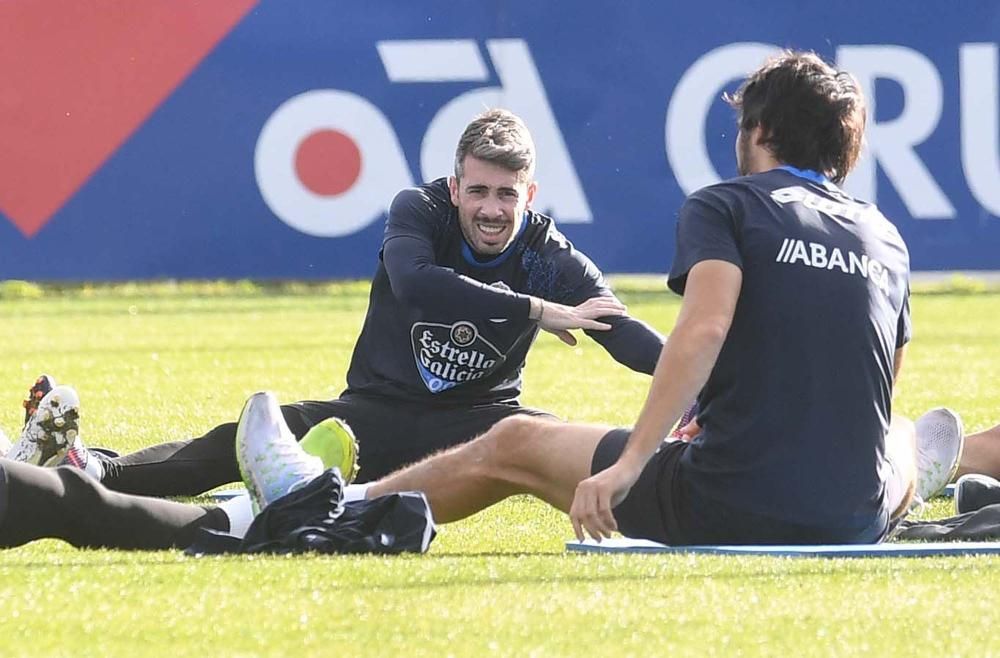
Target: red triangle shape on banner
[80,78]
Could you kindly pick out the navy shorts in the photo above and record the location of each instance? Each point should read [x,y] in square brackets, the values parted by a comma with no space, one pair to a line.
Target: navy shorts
[650,509]
[663,506]
[393,433]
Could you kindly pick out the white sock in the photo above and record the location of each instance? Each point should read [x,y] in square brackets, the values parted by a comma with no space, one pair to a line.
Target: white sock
[79,456]
[240,513]
[354,492]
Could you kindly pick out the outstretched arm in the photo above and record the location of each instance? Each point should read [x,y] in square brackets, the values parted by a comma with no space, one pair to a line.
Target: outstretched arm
[631,342]
[713,287]
[417,280]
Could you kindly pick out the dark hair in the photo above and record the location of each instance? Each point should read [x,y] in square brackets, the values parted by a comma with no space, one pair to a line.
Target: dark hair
[500,137]
[812,115]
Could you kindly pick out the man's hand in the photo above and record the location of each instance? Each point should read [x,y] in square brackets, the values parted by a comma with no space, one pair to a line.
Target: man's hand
[595,498]
[560,319]
[689,431]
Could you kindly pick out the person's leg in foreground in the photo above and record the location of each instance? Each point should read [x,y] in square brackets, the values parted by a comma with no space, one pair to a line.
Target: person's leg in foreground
[66,503]
[981,453]
[521,454]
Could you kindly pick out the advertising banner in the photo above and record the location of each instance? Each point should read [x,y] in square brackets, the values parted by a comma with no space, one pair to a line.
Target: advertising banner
[266,139]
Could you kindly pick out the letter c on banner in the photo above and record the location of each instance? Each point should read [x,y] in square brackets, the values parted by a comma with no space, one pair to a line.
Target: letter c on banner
[327,163]
[697,89]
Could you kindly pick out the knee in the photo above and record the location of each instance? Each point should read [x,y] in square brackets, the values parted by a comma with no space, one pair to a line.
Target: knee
[512,438]
[79,486]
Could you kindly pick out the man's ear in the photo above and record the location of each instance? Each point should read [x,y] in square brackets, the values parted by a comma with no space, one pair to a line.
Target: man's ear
[760,134]
[532,188]
[453,189]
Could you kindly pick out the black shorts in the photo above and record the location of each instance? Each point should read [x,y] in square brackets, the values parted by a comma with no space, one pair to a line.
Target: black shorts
[392,433]
[650,509]
[662,506]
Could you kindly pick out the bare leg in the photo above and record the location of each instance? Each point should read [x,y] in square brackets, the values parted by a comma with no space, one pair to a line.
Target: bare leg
[519,454]
[901,453]
[981,454]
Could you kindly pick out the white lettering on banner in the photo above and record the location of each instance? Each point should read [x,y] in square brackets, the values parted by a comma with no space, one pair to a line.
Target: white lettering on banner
[377,166]
[980,117]
[382,168]
[433,61]
[696,92]
[892,143]
[560,193]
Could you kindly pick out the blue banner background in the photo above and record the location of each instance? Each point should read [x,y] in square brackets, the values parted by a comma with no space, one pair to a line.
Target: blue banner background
[181,199]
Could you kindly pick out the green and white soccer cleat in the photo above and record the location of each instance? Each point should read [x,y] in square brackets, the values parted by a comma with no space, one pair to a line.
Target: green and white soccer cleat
[51,429]
[272,463]
[939,449]
[334,443]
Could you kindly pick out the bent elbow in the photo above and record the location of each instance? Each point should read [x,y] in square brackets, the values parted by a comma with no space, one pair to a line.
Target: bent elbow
[709,331]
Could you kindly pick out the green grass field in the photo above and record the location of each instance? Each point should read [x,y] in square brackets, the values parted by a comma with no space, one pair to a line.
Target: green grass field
[162,361]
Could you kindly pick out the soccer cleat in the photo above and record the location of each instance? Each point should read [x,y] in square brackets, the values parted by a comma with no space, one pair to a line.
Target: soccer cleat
[272,463]
[51,430]
[334,443]
[974,491]
[89,460]
[38,390]
[939,450]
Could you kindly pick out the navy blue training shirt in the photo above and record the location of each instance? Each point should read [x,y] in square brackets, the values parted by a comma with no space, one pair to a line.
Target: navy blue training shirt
[446,326]
[796,409]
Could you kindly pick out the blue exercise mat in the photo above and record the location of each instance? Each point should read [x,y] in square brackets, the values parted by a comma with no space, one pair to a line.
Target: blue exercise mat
[226,494]
[626,545]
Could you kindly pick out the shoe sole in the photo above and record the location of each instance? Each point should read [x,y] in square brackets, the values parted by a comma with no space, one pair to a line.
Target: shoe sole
[52,429]
[38,390]
[958,455]
[241,457]
[956,463]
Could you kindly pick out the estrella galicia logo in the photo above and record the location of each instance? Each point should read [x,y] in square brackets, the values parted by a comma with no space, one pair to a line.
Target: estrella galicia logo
[448,355]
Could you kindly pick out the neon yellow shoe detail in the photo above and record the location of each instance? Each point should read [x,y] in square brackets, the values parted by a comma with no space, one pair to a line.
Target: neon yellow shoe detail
[335,444]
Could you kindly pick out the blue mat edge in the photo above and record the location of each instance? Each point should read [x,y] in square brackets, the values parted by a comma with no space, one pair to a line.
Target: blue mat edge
[226,494]
[941,549]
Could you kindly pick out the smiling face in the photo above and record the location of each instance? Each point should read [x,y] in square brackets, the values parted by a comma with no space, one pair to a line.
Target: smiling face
[491,201]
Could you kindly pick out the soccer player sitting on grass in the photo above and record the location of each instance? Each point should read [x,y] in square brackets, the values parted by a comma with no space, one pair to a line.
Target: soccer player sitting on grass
[791,333]
[467,275]
[792,330]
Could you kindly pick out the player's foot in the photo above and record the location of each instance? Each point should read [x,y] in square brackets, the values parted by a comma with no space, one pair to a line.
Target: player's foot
[91,461]
[974,491]
[52,428]
[38,390]
[272,463]
[939,449]
[334,443]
